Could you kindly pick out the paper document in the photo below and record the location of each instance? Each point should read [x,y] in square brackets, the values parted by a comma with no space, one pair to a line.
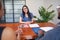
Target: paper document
[33,25]
[28,37]
[46,28]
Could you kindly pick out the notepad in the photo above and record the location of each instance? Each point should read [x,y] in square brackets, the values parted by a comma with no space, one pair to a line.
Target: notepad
[46,28]
[33,25]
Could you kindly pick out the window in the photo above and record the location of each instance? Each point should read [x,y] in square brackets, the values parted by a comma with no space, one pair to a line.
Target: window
[13,8]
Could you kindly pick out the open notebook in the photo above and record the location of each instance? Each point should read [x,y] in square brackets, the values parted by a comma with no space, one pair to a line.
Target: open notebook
[33,25]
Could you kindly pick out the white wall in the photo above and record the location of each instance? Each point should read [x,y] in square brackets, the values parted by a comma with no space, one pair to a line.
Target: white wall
[35,4]
[55,3]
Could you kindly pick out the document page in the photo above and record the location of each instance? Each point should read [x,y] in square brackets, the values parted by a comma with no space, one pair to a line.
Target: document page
[33,25]
[46,28]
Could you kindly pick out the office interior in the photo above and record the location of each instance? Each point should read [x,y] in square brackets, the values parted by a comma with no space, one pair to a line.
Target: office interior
[11,9]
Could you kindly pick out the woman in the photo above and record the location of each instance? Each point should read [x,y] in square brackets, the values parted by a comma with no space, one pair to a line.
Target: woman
[26,17]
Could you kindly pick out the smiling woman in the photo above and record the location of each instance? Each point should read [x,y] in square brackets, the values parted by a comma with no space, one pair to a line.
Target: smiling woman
[26,16]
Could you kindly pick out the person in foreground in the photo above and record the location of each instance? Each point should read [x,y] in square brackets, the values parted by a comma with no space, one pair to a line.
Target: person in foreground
[6,33]
[55,33]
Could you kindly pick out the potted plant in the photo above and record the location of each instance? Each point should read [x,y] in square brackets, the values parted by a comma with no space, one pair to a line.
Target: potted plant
[45,14]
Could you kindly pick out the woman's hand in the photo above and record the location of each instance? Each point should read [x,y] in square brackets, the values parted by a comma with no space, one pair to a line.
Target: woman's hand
[26,25]
[27,22]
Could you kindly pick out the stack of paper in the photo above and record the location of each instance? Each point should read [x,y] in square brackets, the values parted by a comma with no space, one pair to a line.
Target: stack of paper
[33,25]
[46,28]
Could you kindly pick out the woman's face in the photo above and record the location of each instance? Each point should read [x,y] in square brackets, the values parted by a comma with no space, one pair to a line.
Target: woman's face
[25,9]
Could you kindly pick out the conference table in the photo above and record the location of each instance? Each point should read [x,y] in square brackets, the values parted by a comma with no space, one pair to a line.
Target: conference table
[28,33]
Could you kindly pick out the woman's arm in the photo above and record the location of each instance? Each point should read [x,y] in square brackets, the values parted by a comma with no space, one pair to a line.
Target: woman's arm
[20,21]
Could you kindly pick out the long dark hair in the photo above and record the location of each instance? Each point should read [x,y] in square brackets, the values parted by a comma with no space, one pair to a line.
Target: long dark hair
[29,15]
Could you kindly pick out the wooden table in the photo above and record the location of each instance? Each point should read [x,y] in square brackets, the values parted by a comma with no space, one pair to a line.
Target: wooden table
[46,24]
[28,34]
[26,31]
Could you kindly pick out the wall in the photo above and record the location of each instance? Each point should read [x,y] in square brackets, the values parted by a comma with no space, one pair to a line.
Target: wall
[35,4]
[55,3]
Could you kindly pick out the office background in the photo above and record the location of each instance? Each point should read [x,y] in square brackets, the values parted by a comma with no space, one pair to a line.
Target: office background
[16,5]
[35,4]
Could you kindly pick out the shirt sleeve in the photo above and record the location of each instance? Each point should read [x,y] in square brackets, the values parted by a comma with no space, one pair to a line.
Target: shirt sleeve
[21,15]
[31,15]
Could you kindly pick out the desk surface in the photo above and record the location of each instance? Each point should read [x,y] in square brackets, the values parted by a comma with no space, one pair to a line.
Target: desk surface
[26,31]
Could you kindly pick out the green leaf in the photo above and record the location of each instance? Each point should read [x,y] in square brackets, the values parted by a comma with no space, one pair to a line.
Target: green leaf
[35,17]
[50,6]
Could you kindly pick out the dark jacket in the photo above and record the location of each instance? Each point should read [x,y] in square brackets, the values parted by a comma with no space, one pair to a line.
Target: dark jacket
[53,34]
